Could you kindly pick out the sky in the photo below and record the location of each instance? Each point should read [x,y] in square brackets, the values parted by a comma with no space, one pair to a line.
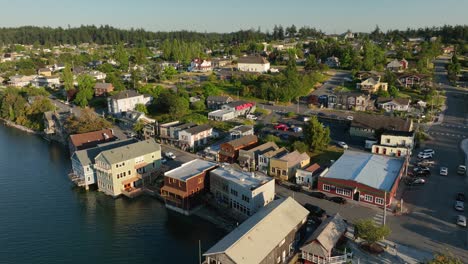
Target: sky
[330,16]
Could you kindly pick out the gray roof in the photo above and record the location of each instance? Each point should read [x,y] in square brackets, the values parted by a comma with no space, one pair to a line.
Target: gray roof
[243,141]
[198,129]
[125,94]
[260,234]
[190,169]
[242,178]
[325,237]
[252,60]
[242,128]
[219,98]
[131,151]
[376,171]
[87,156]
[365,120]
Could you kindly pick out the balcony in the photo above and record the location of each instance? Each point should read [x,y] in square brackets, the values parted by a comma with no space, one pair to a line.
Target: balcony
[76,179]
[132,192]
[327,260]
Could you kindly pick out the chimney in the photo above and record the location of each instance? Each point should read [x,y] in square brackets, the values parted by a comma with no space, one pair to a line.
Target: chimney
[126,94]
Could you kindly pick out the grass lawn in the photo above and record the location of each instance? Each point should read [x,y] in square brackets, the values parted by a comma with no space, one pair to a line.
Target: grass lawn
[324,157]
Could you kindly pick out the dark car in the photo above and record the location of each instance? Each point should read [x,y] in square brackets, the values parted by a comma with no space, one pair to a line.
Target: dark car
[284,136]
[314,210]
[337,199]
[295,188]
[423,173]
[460,197]
[318,195]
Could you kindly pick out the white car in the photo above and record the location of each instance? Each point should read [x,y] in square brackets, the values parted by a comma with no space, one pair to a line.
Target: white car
[170,155]
[342,144]
[459,206]
[350,118]
[443,171]
[423,155]
[252,117]
[429,151]
[461,220]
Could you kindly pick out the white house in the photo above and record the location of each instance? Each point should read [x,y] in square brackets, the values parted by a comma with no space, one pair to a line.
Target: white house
[21,80]
[99,76]
[253,64]
[126,101]
[199,65]
[195,136]
[393,104]
[308,175]
[46,81]
[372,85]
[243,192]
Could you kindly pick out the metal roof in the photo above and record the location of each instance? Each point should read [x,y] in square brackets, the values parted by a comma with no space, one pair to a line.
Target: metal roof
[190,169]
[86,156]
[131,151]
[245,179]
[255,238]
[376,171]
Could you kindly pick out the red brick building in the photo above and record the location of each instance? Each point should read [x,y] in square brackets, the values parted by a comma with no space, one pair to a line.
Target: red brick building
[229,151]
[102,89]
[184,185]
[364,177]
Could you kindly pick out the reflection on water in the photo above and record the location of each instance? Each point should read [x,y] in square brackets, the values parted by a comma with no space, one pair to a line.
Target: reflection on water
[55,222]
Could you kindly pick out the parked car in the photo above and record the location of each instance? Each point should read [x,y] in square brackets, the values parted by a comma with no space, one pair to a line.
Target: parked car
[306,118]
[284,136]
[459,206]
[443,171]
[423,155]
[416,181]
[460,197]
[422,173]
[461,169]
[461,220]
[429,151]
[426,163]
[314,210]
[163,160]
[342,144]
[350,118]
[170,155]
[295,188]
[337,199]
[251,117]
[297,129]
[419,169]
[318,195]
[283,127]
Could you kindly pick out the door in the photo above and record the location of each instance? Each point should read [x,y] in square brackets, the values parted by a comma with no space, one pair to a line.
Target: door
[356,196]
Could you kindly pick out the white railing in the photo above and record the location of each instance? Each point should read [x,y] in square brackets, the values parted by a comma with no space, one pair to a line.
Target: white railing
[328,260]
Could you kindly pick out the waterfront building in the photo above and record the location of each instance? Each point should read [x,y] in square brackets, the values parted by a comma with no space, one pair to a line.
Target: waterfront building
[243,192]
[123,170]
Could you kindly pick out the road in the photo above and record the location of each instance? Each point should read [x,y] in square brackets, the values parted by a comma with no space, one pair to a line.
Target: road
[431,223]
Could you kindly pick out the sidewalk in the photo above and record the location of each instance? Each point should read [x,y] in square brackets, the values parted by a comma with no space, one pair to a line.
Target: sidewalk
[394,252]
[464,147]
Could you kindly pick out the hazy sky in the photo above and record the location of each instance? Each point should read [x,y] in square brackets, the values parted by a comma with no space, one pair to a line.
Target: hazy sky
[331,16]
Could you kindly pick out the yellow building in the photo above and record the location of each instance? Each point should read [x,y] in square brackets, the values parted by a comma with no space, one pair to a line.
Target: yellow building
[285,167]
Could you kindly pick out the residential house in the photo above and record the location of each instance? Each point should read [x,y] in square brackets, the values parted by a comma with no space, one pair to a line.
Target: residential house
[264,159]
[129,119]
[164,133]
[124,170]
[126,101]
[363,75]
[184,185]
[393,104]
[240,108]
[372,85]
[332,62]
[230,150]
[285,167]
[269,236]
[413,80]
[46,81]
[308,176]
[83,172]
[240,131]
[364,125]
[90,139]
[58,67]
[364,177]
[221,115]
[249,158]
[395,143]
[215,102]
[97,75]
[194,137]
[218,63]
[351,101]
[199,65]
[242,192]
[44,72]
[397,65]
[319,247]
[253,64]
[103,89]
[21,80]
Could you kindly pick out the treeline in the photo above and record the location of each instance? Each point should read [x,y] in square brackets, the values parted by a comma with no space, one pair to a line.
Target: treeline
[449,34]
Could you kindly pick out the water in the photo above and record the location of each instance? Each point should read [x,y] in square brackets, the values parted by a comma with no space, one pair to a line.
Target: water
[43,219]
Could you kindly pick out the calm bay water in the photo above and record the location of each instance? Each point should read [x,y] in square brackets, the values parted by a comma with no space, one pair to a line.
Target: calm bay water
[43,219]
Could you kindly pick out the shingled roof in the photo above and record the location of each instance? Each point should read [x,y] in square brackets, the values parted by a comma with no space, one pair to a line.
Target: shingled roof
[252,60]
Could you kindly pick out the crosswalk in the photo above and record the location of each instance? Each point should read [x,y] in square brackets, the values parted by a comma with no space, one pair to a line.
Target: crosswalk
[447,134]
[378,218]
[454,126]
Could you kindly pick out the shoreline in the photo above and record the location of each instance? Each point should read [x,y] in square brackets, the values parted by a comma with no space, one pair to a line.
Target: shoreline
[20,127]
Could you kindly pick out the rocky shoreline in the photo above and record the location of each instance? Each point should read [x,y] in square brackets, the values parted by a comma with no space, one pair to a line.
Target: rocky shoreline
[22,128]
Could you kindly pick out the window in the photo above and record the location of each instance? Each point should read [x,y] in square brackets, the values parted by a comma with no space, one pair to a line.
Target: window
[234,192]
[344,192]
[379,200]
[200,180]
[368,198]
[387,140]
[245,198]
[326,187]
[284,172]
[273,170]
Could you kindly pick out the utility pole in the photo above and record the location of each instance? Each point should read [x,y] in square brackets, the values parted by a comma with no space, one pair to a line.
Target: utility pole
[199,252]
